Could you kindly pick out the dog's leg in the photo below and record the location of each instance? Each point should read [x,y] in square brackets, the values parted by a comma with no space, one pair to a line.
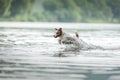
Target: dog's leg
[59,41]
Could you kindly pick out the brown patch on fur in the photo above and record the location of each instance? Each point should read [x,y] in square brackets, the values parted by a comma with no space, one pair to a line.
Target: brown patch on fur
[58,32]
[77,35]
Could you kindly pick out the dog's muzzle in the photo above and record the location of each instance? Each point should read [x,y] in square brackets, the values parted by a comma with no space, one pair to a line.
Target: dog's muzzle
[55,36]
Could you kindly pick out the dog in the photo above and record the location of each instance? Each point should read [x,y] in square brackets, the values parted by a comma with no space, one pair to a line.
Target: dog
[64,38]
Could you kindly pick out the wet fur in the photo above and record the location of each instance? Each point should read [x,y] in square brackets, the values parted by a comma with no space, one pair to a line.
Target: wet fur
[64,38]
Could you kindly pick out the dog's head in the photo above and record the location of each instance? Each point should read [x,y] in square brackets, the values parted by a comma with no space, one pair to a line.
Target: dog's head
[58,32]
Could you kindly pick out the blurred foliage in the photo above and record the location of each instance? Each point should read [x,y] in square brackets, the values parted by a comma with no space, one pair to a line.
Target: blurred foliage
[60,10]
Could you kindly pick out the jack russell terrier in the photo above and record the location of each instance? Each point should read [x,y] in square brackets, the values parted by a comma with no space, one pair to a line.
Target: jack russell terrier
[64,38]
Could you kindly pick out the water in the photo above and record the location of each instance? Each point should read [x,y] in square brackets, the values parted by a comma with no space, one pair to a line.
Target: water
[33,54]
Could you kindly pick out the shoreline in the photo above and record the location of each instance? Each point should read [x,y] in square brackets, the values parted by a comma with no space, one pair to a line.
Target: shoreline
[59,24]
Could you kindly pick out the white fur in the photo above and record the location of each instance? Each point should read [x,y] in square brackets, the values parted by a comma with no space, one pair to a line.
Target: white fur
[68,39]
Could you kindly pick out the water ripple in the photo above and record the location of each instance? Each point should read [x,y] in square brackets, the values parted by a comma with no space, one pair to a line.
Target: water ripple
[33,54]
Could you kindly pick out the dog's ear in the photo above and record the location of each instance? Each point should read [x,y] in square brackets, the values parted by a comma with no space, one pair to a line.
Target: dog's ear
[60,29]
[55,28]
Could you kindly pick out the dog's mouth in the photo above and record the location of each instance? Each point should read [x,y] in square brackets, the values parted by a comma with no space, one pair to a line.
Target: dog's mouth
[55,36]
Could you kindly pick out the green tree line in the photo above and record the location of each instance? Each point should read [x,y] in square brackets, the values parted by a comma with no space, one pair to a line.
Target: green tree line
[60,10]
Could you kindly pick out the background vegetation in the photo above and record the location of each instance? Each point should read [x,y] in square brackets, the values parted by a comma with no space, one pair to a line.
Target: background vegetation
[60,10]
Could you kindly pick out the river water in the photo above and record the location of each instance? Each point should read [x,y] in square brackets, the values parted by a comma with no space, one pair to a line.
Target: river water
[34,54]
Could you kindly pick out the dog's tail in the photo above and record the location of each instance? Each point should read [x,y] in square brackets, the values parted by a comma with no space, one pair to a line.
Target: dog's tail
[76,34]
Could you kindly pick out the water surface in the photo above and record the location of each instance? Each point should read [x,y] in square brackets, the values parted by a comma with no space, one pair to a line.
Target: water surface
[33,54]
